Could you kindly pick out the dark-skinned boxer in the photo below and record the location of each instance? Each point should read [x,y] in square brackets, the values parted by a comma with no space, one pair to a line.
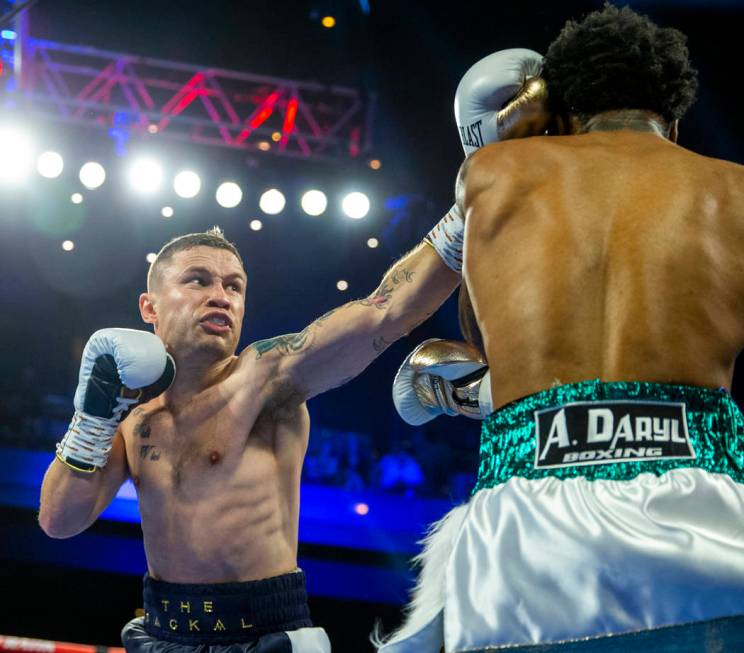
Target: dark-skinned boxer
[606,278]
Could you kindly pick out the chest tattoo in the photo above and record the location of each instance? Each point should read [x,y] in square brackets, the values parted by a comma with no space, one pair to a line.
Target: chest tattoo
[146,451]
[149,452]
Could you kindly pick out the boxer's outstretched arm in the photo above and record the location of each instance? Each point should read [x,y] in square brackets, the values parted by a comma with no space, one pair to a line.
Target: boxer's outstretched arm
[340,344]
[71,501]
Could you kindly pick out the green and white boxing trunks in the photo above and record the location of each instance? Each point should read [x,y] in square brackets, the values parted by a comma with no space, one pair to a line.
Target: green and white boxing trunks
[603,511]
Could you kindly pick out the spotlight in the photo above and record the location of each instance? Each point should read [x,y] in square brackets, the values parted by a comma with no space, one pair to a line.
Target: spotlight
[372,243]
[76,198]
[145,175]
[272,202]
[276,137]
[355,205]
[314,202]
[342,285]
[152,128]
[15,155]
[375,164]
[92,175]
[256,225]
[151,257]
[187,184]
[167,212]
[361,509]
[229,194]
[50,164]
[328,21]
[68,245]
[264,146]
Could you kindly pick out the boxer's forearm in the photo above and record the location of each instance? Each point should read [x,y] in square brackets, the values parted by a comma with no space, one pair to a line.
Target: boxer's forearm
[341,343]
[71,501]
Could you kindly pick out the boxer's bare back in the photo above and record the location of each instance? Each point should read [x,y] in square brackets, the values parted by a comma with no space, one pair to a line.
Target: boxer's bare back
[613,254]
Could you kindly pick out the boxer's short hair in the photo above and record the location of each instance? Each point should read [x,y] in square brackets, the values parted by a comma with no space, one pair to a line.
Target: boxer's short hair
[213,237]
[617,59]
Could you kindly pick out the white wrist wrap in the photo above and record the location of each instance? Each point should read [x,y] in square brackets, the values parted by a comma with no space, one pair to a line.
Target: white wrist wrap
[88,439]
[447,239]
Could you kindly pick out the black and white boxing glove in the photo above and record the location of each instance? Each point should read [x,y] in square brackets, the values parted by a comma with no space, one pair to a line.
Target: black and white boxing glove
[500,97]
[119,369]
[442,377]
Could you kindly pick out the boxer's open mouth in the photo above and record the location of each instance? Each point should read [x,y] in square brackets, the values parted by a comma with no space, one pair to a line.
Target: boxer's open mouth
[216,322]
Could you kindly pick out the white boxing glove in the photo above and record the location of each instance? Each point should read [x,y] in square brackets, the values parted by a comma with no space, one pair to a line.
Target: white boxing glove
[113,361]
[500,97]
[442,377]
[498,93]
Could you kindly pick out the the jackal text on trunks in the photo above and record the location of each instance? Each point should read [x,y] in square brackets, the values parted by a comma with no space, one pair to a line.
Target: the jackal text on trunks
[195,614]
[612,431]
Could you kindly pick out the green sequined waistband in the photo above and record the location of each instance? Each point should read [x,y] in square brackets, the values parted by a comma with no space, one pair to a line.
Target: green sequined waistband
[715,425]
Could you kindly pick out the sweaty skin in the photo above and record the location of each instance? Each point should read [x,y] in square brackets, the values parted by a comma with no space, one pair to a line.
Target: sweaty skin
[613,254]
[217,458]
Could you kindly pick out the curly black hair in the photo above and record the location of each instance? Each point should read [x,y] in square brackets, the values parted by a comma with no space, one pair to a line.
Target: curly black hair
[617,59]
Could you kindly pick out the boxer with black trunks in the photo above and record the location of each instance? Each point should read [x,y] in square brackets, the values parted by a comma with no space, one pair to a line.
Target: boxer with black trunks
[607,284]
[214,442]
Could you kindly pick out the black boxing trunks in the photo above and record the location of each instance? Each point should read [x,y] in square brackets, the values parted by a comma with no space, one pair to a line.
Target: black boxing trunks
[262,616]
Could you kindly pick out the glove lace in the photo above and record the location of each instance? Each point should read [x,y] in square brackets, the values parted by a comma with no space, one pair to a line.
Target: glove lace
[89,438]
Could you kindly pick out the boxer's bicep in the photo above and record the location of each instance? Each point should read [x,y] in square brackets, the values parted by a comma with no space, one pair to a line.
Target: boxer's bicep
[340,344]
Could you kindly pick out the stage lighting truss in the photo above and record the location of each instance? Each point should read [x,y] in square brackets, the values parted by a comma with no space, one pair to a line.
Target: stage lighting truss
[155,98]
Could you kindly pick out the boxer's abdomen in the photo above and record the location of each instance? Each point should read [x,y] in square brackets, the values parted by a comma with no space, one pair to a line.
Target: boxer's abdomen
[612,255]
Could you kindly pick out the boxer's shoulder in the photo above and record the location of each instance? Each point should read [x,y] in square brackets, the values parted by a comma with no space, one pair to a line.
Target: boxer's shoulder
[258,371]
[501,162]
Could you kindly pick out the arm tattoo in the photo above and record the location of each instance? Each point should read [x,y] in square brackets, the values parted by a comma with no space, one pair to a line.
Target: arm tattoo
[291,343]
[284,345]
[380,344]
[381,297]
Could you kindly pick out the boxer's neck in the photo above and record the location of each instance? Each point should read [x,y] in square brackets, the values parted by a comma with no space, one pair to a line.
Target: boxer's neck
[641,121]
[195,376]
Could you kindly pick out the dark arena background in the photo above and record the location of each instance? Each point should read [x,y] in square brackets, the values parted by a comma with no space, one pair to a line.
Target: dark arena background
[351,98]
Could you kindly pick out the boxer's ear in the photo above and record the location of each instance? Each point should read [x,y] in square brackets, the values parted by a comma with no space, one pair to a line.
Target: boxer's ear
[147,308]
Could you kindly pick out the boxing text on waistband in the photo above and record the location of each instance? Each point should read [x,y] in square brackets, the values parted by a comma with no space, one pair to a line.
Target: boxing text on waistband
[606,432]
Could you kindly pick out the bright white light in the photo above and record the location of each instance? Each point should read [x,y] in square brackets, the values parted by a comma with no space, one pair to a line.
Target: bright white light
[151,257]
[361,509]
[229,194]
[342,285]
[187,184]
[145,175]
[355,205]
[92,175]
[167,212]
[372,243]
[50,164]
[272,202]
[256,225]
[16,155]
[314,202]
[76,198]
[68,245]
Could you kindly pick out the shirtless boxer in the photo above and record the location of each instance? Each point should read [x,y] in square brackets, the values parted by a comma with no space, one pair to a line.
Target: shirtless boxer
[216,458]
[606,276]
